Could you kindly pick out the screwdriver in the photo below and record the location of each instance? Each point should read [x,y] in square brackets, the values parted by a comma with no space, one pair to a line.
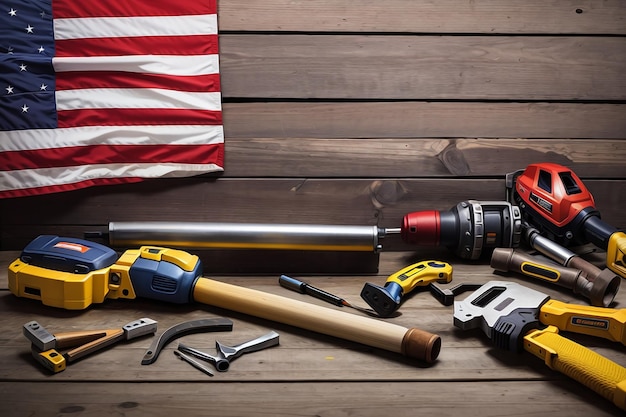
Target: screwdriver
[304,288]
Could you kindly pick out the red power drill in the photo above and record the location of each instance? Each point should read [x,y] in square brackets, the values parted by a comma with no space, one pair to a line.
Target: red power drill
[555,201]
[467,229]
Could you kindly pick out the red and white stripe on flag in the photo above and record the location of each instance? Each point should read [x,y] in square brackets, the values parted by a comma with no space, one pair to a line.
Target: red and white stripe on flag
[96,92]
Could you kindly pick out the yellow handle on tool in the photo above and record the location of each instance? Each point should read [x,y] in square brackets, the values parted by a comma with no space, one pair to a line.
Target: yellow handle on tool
[608,323]
[616,253]
[591,369]
[421,274]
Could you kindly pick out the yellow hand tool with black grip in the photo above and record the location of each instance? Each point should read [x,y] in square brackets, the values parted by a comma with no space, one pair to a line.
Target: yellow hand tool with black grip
[386,300]
[599,287]
[513,317]
[607,323]
[602,375]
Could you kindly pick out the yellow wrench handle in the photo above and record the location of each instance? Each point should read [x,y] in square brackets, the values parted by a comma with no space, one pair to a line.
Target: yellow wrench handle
[607,323]
[591,369]
[616,254]
[421,274]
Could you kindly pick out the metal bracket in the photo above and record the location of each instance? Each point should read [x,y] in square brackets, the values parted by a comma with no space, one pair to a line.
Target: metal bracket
[188,327]
[446,295]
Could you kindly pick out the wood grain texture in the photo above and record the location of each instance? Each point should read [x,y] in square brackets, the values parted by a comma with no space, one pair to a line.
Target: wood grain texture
[396,158]
[415,119]
[289,399]
[424,16]
[350,112]
[349,201]
[381,202]
[305,367]
[423,67]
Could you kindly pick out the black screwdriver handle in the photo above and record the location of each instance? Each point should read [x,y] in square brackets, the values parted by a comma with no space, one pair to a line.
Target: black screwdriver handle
[304,288]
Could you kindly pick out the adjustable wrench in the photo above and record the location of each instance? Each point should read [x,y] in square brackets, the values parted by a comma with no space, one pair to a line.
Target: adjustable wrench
[513,317]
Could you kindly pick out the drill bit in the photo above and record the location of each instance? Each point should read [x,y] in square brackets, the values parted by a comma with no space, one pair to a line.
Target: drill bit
[193,362]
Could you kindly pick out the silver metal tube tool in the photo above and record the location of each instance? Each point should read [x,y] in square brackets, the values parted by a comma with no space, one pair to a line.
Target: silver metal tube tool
[248,236]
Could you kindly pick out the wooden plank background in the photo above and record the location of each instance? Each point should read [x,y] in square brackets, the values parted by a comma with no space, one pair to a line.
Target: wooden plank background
[357,112]
[351,112]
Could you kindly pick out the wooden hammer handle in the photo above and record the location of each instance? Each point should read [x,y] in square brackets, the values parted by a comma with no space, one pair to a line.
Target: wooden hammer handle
[411,342]
[66,340]
[108,338]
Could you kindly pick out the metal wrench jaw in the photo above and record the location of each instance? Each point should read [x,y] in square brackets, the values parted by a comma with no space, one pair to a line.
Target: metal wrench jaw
[226,354]
[230,353]
[504,311]
[220,363]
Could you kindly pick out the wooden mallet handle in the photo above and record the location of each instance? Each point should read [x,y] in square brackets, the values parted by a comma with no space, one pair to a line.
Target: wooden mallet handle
[411,342]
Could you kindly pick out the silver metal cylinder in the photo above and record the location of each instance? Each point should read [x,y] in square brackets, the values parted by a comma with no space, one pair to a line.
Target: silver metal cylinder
[547,247]
[246,236]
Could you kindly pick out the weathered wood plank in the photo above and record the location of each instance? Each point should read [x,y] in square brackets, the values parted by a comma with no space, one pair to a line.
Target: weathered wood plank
[464,354]
[350,201]
[381,202]
[423,16]
[393,158]
[367,399]
[303,360]
[329,363]
[402,119]
[350,161]
[423,67]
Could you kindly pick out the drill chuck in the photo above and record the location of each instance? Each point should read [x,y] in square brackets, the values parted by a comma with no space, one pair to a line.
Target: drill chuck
[430,228]
[467,229]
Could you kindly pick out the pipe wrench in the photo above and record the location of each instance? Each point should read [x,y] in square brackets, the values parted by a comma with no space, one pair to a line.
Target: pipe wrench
[515,317]
[45,346]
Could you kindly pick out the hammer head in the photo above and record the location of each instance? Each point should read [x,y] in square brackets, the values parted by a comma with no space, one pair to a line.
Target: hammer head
[504,311]
[41,338]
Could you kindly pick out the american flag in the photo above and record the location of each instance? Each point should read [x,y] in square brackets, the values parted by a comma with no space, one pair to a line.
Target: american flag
[104,92]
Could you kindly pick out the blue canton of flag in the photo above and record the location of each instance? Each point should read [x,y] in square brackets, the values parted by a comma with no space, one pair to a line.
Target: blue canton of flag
[26,72]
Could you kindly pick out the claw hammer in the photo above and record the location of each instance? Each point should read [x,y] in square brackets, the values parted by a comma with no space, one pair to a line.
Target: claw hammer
[46,346]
